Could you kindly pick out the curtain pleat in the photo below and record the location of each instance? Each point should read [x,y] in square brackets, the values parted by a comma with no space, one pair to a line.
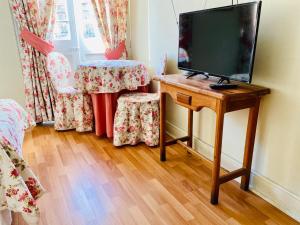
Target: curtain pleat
[38,17]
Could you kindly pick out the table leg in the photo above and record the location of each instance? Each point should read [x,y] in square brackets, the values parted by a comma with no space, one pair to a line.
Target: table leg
[217,154]
[162,126]
[99,113]
[249,145]
[190,129]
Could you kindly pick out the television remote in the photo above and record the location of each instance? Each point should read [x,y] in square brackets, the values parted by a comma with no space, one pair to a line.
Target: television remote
[223,86]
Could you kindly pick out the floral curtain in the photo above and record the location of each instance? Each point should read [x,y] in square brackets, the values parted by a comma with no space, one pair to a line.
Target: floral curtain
[38,17]
[112,19]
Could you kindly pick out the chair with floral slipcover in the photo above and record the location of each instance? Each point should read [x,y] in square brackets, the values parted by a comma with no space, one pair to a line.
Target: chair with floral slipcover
[137,117]
[74,108]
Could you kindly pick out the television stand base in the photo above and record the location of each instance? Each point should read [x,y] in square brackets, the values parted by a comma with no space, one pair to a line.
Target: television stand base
[221,85]
[192,74]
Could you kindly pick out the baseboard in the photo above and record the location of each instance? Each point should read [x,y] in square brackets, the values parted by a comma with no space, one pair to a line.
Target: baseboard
[273,193]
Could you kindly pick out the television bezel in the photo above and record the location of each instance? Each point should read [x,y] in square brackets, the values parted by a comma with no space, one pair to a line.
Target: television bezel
[259,3]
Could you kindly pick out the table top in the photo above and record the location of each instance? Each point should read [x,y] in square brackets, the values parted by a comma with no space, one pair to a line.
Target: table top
[200,85]
[112,64]
[111,76]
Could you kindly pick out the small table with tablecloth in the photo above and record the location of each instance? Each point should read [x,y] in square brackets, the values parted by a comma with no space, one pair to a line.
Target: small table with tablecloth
[106,80]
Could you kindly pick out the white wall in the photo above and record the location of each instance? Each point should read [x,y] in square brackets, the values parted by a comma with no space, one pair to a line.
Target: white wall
[11,80]
[139,30]
[276,164]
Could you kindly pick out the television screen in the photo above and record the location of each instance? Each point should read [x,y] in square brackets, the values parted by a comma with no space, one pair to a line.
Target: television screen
[220,41]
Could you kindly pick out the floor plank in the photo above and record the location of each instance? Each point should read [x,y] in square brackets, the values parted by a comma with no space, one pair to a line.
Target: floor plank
[90,182]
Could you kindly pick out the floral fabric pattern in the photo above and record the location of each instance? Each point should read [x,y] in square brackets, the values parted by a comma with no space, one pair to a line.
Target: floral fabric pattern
[111,76]
[74,108]
[112,20]
[37,17]
[137,119]
[19,187]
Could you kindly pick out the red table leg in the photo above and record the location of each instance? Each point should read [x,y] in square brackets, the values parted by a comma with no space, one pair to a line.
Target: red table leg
[99,113]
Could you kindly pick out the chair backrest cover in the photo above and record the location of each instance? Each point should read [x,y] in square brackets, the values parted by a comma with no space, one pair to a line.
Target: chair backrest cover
[60,70]
[162,68]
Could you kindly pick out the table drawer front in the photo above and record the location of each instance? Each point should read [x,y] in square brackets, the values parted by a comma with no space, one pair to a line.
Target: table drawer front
[186,98]
[183,98]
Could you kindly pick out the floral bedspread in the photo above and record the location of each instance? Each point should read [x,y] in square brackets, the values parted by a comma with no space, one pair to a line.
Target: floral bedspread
[19,188]
[111,76]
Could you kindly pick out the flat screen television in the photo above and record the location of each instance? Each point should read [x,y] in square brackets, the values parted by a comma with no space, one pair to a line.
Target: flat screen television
[220,41]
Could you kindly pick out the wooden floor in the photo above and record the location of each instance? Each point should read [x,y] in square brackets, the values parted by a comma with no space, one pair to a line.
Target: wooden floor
[90,182]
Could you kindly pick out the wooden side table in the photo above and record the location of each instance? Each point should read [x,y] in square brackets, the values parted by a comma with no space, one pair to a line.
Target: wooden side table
[195,94]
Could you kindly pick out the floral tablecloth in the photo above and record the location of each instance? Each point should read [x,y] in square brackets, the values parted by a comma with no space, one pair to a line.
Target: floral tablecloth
[19,188]
[111,76]
[106,80]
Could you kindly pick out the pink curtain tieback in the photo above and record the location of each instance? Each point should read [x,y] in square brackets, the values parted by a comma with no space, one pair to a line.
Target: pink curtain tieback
[114,54]
[35,41]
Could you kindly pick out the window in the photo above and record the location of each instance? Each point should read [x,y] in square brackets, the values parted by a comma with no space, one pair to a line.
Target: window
[62,29]
[87,26]
[86,15]
[89,31]
[76,32]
